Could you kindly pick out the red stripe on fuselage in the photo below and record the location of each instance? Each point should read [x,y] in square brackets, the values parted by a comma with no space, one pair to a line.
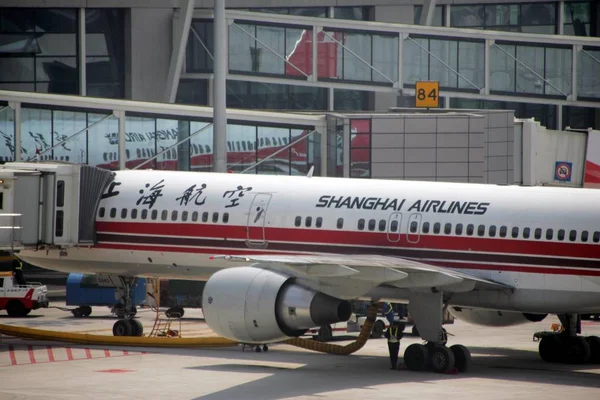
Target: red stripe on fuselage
[365,238]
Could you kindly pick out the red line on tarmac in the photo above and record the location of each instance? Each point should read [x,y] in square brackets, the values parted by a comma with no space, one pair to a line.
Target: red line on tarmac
[106,353]
[50,354]
[125,353]
[11,352]
[31,355]
[69,353]
[88,353]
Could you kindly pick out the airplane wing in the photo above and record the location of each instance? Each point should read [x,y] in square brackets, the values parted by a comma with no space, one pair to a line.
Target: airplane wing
[394,271]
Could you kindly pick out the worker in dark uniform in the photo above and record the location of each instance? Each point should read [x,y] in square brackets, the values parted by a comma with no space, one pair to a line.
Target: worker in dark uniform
[393,336]
[17,269]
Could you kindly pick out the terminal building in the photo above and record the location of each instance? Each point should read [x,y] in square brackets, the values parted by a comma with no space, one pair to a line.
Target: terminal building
[329,84]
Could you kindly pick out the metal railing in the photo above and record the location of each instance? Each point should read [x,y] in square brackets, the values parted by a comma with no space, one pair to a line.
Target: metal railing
[10,231]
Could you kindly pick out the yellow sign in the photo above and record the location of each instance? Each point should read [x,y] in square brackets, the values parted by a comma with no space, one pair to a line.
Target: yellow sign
[427,94]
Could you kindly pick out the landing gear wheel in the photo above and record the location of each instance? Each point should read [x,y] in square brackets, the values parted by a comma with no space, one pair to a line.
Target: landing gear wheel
[576,350]
[550,348]
[325,333]
[415,357]
[265,348]
[415,331]
[137,329]
[17,309]
[86,311]
[462,357]
[594,342]
[123,327]
[378,329]
[441,359]
[257,349]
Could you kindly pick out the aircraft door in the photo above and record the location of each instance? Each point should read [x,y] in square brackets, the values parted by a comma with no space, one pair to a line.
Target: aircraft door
[394,224]
[413,228]
[257,217]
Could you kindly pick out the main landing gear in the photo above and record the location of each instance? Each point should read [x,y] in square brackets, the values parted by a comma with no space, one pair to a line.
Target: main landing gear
[566,347]
[127,325]
[427,312]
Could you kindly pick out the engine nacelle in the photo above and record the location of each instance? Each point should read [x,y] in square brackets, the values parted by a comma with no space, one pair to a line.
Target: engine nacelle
[253,305]
[494,318]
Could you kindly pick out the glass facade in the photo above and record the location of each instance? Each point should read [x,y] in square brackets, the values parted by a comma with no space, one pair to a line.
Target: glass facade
[360,148]
[353,100]
[269,96]
[38,50]
[588,73]
[579,18]
[436,59]
[518,17]
[105,52]
[544,113]
[541,70]
[438,16]
[147,136]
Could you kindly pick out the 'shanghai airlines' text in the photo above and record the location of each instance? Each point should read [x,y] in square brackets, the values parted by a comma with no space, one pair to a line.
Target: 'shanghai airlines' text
[379,203]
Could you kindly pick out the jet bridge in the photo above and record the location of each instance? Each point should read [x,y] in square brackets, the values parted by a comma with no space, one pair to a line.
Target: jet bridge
[49,204]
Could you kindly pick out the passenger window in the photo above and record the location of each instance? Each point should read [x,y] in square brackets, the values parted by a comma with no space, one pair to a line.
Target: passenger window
[573,236]
[549,234]
[382,225]
[215,218]
[101,212]
[503,231]
[319,222]
[596,237]
[361,224]
[164,214]
[425,227]
[195,216]
[436,228]
[184,216]
[225,218]
[154,214]
[144,214]
[561,234]
[113,212]
[448,229]
[340,223]
[298,221]
[492,231]
[174,215]
[372,223]
[123,213]
[470,229]
[134,213]
[537,233]
[584,236]
[205,217]
[515,232]
[308,222]
[458,229]
[394,226]
[526,233]
[481,230]
[413,227]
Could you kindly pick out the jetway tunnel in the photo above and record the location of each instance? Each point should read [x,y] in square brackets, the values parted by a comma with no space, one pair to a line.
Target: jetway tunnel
[49,204]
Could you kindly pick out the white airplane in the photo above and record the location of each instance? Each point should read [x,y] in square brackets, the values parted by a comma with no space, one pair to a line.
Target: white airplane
[284,254]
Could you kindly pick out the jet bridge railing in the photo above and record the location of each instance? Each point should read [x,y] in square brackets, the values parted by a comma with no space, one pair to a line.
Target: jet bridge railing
[10,231]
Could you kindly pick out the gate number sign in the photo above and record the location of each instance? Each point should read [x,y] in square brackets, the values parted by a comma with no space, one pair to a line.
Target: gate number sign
[427,94]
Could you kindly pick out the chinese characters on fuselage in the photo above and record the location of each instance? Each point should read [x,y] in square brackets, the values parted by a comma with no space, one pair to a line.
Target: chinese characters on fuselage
[385,204]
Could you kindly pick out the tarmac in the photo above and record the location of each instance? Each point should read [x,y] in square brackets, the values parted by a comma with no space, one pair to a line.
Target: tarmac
[505,365]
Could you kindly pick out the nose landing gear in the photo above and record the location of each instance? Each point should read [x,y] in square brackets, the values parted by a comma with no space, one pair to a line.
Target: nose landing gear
[127,325]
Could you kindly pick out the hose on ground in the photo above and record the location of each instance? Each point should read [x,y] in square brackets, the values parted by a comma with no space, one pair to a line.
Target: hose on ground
[350,348]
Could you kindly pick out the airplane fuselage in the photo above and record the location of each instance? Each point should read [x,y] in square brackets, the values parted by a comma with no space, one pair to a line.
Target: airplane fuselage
[544,242]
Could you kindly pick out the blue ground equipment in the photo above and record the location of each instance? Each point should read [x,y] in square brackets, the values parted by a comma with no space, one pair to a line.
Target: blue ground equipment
[83,291]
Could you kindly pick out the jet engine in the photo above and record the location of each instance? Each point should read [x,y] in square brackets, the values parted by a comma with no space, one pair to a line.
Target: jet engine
[494,318]
[257,306]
